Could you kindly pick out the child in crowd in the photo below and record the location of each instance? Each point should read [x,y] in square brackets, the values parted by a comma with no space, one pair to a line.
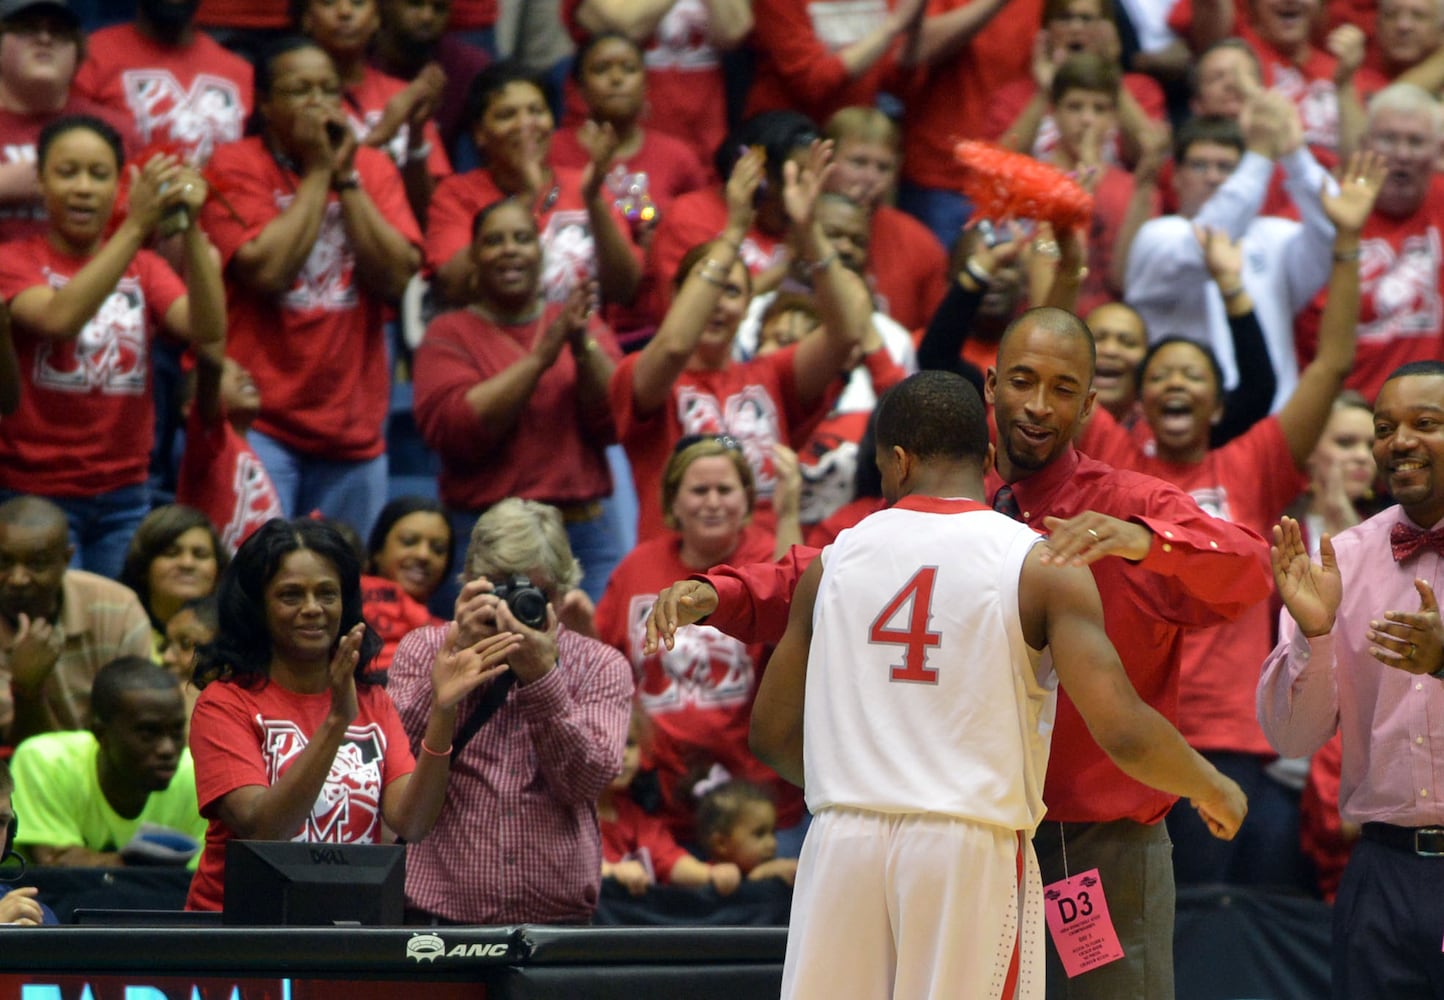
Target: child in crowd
[638,850]
[191,627]
[737,825]
[18,905]
[220,475]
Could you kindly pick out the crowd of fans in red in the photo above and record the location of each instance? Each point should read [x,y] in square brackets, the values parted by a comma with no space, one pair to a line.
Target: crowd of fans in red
[664,299]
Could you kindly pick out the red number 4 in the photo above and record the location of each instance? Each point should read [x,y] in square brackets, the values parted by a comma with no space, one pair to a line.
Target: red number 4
[916,638]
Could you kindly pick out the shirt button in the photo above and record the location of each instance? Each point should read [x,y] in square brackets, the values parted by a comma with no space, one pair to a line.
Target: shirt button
[1419,740]
[1027,515]
[1167,547]
[1423,793]
[1419,686]
[1213,545]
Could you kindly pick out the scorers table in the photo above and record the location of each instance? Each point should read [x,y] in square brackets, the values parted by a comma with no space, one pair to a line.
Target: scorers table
[446,963]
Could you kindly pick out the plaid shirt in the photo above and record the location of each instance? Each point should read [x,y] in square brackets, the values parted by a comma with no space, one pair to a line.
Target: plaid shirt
[517,840]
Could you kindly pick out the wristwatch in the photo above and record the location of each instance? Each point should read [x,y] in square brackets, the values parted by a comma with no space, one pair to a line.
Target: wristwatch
[349,182]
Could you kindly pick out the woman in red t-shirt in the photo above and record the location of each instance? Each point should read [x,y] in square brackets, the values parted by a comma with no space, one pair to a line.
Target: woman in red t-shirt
[291,740]
[685,381]
[511,393]
[85,307]
[583,235]
[698,693]
[1251,480]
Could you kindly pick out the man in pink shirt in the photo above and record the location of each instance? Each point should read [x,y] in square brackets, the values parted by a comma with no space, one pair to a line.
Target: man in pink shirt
[1371,602]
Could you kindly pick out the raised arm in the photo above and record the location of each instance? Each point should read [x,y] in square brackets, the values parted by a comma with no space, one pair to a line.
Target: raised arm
[1298,697]
[1306,413]
[619,267]
[637,19]
[776,732]
[61,313]
[277,811]
[942,35]
[843,300]
[411,803]
[199,316]
[1250,400]
[385,259]
[270,263]
[666,355]
[1061,609]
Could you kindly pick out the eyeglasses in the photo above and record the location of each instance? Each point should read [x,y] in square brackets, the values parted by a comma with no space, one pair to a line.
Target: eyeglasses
[1077,18]
[727,441]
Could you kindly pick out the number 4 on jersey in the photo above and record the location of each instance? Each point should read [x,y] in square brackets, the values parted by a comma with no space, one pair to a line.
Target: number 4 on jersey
[917,594]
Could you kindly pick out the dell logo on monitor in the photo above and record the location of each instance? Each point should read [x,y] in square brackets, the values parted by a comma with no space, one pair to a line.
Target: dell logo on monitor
[327,856]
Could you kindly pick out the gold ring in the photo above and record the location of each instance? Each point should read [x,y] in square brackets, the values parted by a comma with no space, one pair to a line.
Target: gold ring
[1412,650]
[188,187]
[1094,534]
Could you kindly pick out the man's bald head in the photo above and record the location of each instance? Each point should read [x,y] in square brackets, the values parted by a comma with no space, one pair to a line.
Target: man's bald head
[1050,319]
[33,513]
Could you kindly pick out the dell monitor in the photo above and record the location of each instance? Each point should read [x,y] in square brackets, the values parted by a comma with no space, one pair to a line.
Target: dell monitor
[291,883]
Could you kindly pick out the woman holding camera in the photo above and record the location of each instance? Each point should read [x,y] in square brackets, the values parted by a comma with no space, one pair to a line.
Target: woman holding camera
[291,740]
[511,393]
[317,238]
[699,693]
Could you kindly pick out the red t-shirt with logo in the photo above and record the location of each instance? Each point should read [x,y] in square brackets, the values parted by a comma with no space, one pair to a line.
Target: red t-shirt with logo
[241,737]
[699,693]
[223,478]
[197,95]
[1401,307]
[366,101]
[569,250]
[86,419]
[318,352]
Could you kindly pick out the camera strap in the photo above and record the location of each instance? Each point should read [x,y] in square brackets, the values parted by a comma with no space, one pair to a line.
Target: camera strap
[491,700]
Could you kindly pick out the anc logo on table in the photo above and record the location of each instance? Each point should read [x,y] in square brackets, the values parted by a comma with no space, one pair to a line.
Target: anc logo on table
[430,947]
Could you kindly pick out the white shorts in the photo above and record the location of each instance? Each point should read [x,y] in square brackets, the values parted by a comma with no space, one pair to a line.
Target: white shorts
[915,907]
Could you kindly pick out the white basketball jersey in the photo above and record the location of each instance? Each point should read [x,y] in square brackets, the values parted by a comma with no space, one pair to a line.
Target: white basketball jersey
[922,694]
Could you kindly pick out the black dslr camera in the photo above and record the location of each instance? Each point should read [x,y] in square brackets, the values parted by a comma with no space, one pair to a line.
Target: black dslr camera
[526,601]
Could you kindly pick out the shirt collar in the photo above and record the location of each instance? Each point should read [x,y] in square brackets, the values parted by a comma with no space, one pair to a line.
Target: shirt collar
[1035,491]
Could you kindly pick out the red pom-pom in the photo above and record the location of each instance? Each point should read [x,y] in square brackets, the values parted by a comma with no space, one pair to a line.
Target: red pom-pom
[1002,184]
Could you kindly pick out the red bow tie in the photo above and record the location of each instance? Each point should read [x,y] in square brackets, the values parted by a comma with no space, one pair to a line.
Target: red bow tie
[1405,539]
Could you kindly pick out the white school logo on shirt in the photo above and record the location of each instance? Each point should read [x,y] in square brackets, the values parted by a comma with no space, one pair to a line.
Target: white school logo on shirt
[683,39]
[255,501]
[208,113]
[1404,287]
[348,809]
[748,415]
[325,280]
[111,354]
[705,669]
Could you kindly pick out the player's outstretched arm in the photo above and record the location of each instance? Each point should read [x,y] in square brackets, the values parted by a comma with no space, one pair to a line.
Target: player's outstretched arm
[1061,607]
[776,736]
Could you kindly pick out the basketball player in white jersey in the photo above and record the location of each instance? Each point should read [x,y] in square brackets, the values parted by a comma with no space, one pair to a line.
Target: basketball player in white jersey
[924,724]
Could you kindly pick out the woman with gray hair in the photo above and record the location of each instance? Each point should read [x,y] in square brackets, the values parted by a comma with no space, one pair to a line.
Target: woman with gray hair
[531,751]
